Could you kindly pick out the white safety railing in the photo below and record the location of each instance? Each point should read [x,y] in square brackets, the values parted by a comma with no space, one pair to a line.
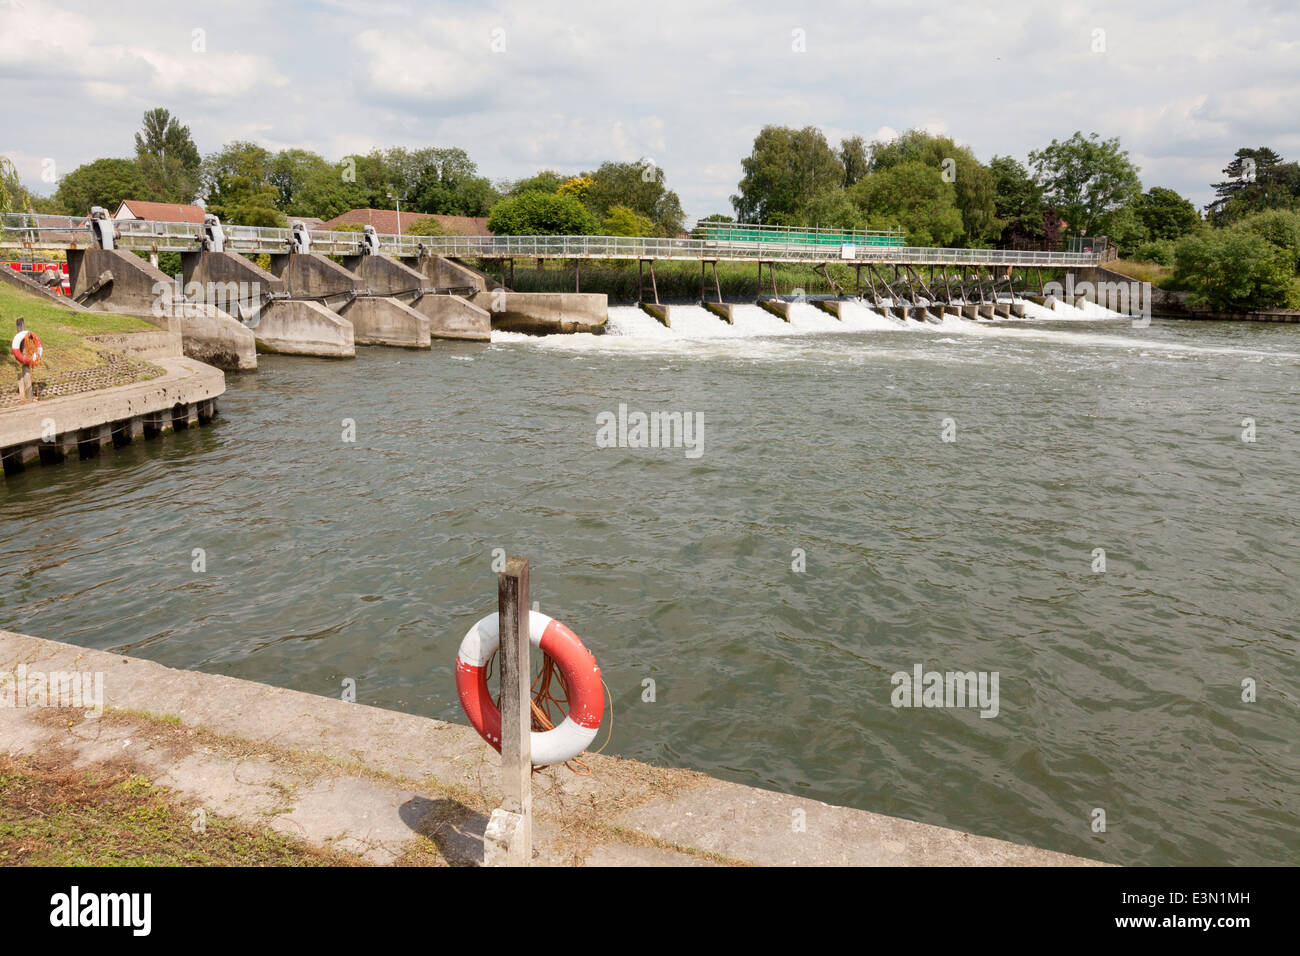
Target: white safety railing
[38,231]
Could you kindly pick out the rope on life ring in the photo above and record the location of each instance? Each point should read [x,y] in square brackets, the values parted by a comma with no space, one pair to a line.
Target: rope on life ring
[579,676]
[27,348]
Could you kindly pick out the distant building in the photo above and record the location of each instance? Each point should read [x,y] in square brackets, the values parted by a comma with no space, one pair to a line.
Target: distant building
[385,222]
[159,211]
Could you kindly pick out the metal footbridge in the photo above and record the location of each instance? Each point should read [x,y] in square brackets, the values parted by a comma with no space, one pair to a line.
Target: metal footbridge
[709,242]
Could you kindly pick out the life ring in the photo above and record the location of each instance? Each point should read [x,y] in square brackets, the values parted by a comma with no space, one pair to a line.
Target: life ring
[20,351]
[577,666]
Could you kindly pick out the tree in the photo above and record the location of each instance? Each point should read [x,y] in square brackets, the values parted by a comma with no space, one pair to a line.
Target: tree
[536,213]
[1164,214]
[290,171]
[1017,200]
[622,221]
[168,158]
[104,182]
[786,169]
[448,184]
[12,193]
[855,157]
[545,181]
[915,196]
[639,187]
[1086,179]
[834,209]
[1280,228]
[975,189]
[1234,270]
[424,227]
[237,184]
[1258,179]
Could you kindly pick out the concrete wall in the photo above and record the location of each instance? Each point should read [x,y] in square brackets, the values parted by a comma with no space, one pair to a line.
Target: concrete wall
[132,288]
[451,317]
[385,276]
[542,313]
[377,320]
[310,274]
[143,345]
[446,274]
[776,307]
[299,327]
[225,268]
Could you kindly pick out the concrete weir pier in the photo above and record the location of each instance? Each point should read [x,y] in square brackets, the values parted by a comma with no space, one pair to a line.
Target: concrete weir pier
[381,784]
[113,280]
[375,320]
[446,315]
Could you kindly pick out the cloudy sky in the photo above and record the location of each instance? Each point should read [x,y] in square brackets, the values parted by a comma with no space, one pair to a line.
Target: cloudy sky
[523,86]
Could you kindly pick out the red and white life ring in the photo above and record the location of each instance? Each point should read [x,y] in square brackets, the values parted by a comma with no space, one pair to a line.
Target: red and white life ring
[20,352]
[581,677]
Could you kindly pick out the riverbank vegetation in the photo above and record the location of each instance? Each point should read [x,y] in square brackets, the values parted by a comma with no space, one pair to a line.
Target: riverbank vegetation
[65,338]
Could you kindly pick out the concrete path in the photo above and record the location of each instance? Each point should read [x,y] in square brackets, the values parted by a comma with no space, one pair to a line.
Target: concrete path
[395,787]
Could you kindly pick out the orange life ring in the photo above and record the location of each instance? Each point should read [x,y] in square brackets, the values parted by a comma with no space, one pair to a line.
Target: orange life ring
[20,344]
[581,677]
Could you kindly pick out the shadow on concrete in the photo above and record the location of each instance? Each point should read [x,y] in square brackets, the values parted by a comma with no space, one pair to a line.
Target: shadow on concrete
[455,829]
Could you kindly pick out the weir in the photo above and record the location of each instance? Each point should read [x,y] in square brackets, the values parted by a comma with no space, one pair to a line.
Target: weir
[407,290]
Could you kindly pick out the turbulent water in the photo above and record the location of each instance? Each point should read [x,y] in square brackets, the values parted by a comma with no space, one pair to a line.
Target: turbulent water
[823,447]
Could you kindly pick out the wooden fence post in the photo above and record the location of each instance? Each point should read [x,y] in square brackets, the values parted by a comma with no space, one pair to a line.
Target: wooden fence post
[25,390]
[508,840]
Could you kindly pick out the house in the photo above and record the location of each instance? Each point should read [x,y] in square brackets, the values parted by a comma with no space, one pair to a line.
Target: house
[386,224]
[159,211]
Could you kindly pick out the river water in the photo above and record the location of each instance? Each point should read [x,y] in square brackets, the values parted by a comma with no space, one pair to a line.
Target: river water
[821,537]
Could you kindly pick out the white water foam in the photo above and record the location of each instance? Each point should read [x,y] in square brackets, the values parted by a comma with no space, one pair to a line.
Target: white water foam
[698,332]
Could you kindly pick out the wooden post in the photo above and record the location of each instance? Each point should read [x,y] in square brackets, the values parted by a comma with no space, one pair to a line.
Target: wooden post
[508,840]
[25,391]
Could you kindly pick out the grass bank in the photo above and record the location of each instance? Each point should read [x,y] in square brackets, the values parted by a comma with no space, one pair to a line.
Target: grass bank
[64,334]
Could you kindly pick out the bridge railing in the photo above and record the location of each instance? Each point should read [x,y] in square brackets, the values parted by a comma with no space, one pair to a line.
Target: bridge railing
[41,231]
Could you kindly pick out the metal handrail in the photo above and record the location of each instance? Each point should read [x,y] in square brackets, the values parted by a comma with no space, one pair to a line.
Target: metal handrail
[27,230]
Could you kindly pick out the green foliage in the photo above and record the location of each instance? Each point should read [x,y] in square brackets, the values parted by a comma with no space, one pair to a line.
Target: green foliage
[622,221]
[1017,199]
[834,209]
[785,171]
[1087,179]
[639,187]
[855,157]
[544,181]
[1258,180]
[975,186]
[1280,228]
[1164,214]
[11,190]
[168,158]
[913,195]
[448,184]
[1235,270]
[104,182]
[237,183]
[1159,251]
[424,227]
[541,214]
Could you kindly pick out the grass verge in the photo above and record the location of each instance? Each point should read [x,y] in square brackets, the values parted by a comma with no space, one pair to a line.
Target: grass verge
[108,816]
